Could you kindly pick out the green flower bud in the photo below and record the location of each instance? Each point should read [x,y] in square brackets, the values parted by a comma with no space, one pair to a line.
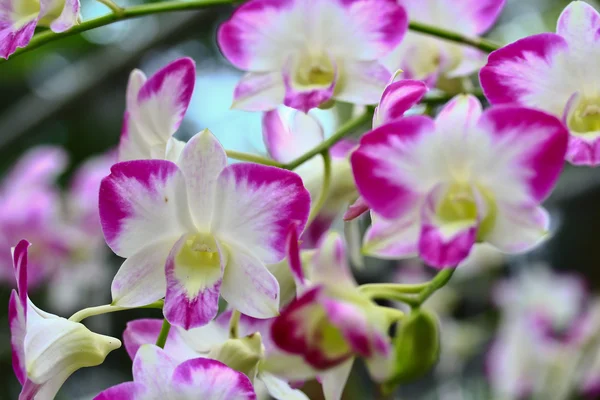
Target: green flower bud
[241,354]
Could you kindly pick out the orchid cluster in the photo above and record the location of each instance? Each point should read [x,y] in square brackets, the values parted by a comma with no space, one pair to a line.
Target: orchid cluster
[243,258]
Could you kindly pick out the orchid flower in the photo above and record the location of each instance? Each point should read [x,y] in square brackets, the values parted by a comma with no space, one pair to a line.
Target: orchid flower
[30,206]
[155,109]
[303,53]
[285,141]
[557,73]
[260,365]
[428,58]
[198,229]
[331,322]
[438,187]
[47,349]
[157,375]
[19,18]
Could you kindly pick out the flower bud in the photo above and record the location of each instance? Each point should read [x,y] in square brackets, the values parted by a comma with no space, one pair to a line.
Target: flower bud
[241,354]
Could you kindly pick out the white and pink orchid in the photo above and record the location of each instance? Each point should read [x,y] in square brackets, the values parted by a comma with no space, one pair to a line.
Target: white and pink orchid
[331,322]
[557,73]
[47,349]
[198,229]
[303,53]
[437,187]
[19,18]
[429,58]
[157,376]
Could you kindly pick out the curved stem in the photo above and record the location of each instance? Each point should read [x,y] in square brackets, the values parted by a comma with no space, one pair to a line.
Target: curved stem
[164,334]
[108,308]
[478,43]
[238,155]
[234,324]
[324,193]
[346,129]
[372,288]
[113,6]
[437,282]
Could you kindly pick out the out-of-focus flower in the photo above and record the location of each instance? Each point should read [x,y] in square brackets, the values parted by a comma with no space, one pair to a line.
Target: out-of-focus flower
[428,58]
[212,341]
[198,229]
[157,376]
[555,72]
[19,18]
[543,347]
[285,141]
[303,53]
[438,187]
[30,206]
[155,109]
[47,349]
[331,322]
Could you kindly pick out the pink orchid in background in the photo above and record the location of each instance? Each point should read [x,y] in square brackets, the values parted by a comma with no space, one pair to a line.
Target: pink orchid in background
[157,375]
[428,58]
[19,18]
[331,322]
[437,187]
[30,206]
[199,229]
[287,140]
[47,349]
[303,53]
[557,73]
[208,341]
[155,110]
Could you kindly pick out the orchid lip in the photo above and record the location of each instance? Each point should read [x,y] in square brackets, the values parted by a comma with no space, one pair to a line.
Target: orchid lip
[583,115]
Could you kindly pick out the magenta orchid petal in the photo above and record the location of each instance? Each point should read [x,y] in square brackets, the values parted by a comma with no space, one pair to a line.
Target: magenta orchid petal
[194,272]
[460,113]
[125,391]
[393,238]
[397,98]
[155,109]
[374,165]
[17,311]
[143,202]
[263,36]
[201,161]
[362,82]
[536,140]
[146,331]
[68,17]
[13,35]
[259,91]
[584,151]
[248,286]
[255,206]
[293,255]
[215,378]
[286,142]
[578,24]
[330,263]
[356,209]
[152,367]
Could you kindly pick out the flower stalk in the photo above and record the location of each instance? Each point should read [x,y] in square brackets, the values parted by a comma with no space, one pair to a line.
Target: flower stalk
[164,334]
[109,308]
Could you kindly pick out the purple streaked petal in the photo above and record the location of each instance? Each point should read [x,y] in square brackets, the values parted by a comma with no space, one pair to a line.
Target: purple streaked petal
[193,282]
[343,148]
[19,253]
[383,183]
[397,98]
[287,142]
[201,161]
[143,202]
[145,331]
[584,150]
[260,91]
[125,391]
[318,227]
[153,367]
[524,72]
[17,322]
[248,286]
[210,379]
[532,141]
[329,264]
[393,239]
[460,113]
[256,205]
[141,278]
[362,82]
[293,255]
[12,37]
[305,98]
[67,18]
[578,24]
[356,209]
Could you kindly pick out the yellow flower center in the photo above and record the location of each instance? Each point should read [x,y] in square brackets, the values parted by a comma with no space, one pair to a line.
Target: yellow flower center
[584,117]
[198,264]
[314,70]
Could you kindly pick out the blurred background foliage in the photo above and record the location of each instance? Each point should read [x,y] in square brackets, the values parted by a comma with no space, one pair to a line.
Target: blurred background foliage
[71,93]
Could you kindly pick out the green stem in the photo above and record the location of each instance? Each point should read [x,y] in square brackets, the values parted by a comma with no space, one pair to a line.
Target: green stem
[478,43]
[164,334]
[114,7]
[238,155]
[318,205]
[344,131]
[126,13]
[388,294]
[234,324]
[371,288]
[436,283]
[108,308]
